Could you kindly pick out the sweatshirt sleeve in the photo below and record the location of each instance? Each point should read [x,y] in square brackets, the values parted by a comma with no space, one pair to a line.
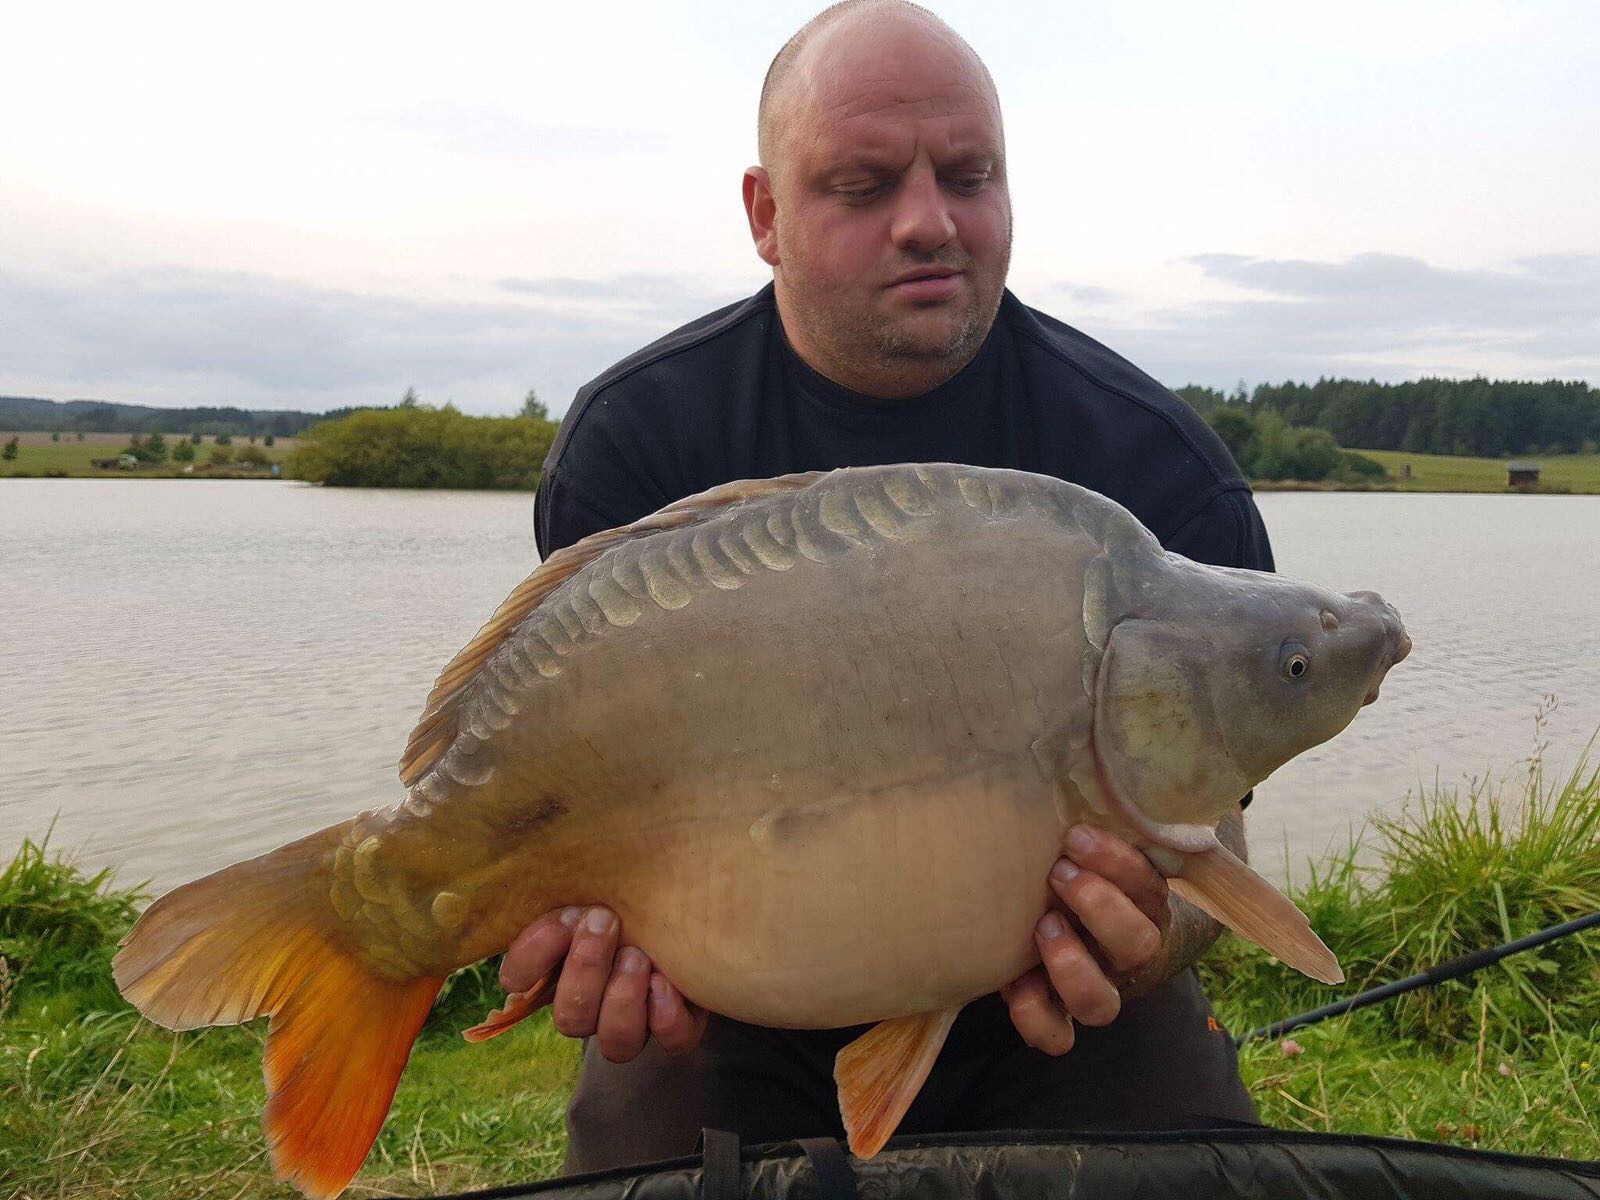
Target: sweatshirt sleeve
[1228,532]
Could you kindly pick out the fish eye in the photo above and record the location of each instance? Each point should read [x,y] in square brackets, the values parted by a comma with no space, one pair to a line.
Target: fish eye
[1294,660]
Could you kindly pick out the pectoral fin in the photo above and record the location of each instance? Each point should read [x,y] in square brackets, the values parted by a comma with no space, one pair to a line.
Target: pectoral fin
[517,1007]
[880,1073]
[1227,890]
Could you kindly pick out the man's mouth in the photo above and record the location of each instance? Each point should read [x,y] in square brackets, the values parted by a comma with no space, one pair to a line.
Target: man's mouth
[917,274]
[927,284]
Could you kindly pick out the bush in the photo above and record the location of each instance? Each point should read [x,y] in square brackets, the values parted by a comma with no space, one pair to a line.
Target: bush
[10,451]
[1355,465]
[220,456]
[183,452]
[251,456]
[421,447]
[223,439]
[1310,454]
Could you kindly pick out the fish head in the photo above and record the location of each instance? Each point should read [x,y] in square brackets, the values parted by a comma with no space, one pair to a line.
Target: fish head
[1226,676]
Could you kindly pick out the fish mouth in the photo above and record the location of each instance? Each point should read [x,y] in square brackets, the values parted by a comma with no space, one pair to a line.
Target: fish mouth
[1397,647]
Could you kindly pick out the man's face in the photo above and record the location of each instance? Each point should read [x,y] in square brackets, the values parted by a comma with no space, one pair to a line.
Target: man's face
[893,220]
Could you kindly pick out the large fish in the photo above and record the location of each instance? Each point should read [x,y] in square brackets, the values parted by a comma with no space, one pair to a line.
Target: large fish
[817,739]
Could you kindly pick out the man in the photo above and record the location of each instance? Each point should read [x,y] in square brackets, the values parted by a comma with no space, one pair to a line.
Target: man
[887,335]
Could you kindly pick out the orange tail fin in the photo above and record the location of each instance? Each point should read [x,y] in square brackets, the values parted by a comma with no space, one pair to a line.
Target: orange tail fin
[258,939]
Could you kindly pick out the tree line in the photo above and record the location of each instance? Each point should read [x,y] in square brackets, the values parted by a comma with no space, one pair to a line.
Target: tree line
[1480,417]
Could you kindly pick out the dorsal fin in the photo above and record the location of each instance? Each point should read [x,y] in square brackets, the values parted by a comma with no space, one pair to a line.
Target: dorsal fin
[436,728]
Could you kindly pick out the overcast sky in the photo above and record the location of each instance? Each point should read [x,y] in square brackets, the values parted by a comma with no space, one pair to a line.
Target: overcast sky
[304,206]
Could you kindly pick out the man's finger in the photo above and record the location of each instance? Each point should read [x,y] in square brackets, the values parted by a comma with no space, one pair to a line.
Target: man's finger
[1113,859]
[1041,1024]
[576,1010]
[624,1022]
[538,950]
[1085,992]
[676,1024]
[1127,938]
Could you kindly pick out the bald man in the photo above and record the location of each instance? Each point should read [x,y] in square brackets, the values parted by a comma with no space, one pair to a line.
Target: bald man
[887,335]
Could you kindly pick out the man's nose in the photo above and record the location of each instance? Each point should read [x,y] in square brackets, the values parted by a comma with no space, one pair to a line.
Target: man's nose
[922,218]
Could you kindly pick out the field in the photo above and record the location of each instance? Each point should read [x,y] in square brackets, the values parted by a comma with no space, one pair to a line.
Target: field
[37,456]
[1577,473]
[97,1104]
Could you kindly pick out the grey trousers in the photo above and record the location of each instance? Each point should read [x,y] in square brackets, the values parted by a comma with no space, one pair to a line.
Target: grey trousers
[1164,1062]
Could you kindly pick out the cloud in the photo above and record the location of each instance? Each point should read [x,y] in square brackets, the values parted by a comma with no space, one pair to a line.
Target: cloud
[493,133]
[175,336]
[634,295]
[1373,315]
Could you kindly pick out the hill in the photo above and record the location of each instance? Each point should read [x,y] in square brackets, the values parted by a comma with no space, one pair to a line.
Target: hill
[102,416]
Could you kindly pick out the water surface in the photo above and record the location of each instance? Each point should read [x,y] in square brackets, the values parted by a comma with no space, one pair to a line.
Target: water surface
[197,671]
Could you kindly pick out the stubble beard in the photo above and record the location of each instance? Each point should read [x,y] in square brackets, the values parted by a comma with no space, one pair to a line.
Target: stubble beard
[869,345]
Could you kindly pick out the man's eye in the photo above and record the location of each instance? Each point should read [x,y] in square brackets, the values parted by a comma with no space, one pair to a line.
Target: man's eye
[968,183]
[865,191]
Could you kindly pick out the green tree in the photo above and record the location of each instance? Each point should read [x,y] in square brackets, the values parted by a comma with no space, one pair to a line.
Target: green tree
[194,439]
[220,456]
[223,439]
[409,400]
[534,408]
[1271,456]
[56,436]
[156,446]
[10,452]
[1237,429]
[80,435]
[269,439]
[183,452]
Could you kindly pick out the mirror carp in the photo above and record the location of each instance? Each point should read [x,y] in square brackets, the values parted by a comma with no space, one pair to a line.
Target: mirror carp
[817,740]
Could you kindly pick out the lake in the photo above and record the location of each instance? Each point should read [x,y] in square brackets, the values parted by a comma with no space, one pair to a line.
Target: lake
[195,672]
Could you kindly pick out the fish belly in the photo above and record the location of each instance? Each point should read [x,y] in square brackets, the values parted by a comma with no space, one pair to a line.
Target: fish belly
[905,899]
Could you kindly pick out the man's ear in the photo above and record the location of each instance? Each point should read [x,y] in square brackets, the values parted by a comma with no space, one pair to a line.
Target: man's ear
[762,211]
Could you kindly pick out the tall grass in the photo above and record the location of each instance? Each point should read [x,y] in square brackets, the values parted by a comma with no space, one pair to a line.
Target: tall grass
[1504,1057]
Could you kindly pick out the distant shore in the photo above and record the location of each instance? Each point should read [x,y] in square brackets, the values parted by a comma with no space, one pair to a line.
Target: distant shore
[68,458]
[1559,474]
[65,456]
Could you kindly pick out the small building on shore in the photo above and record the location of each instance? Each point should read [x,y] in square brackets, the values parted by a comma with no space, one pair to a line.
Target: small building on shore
[1521,474]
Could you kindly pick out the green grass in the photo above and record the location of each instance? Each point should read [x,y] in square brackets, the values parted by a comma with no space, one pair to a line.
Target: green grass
[95,1103]
[1577,473]
[38,456]
[1503,1059]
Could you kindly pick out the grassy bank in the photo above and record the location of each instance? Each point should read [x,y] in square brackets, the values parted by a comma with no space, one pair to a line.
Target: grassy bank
[1578,474]
[40,457]
[95,1103]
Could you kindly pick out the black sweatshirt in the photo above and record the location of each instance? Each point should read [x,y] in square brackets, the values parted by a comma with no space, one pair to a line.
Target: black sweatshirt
[726,398]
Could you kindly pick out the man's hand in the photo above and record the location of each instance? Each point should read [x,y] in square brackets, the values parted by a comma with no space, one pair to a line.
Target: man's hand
[1114,917]
[617,998]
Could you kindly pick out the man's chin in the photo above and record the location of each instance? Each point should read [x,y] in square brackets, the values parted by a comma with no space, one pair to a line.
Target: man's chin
[927,337]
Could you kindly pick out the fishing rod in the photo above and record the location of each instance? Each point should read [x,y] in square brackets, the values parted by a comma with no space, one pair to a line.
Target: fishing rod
[1455,968]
